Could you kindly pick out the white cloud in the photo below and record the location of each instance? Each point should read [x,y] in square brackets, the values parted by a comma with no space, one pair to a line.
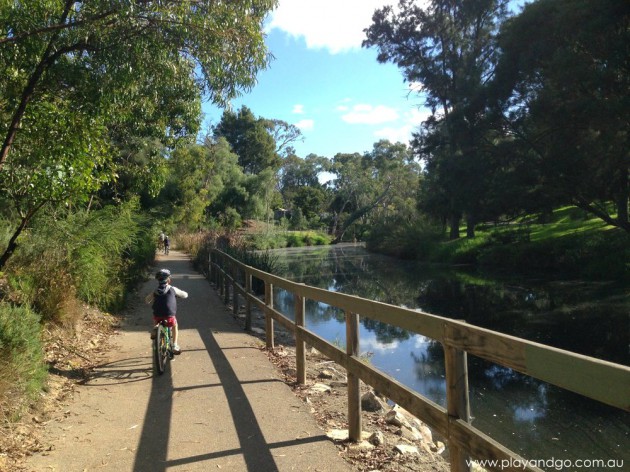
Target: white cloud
[298,109]
[326,24]
[342,108]
[417,116]
[305,125]
[394,135]
[412,120]
[368,114]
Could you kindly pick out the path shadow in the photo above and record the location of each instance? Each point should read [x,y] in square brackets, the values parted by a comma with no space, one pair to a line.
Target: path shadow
[256,452]
[137,369]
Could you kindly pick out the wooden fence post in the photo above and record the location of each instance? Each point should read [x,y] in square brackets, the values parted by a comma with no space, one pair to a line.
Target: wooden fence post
[354,392]
[268,318]
[248,302]
[234,290]
[220,275]
[300,347]
[457,401]
[226,280]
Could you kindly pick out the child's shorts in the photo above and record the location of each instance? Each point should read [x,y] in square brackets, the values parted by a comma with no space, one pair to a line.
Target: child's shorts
[170,320]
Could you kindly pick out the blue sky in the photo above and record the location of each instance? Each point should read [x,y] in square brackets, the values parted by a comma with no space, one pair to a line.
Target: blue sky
[322,81]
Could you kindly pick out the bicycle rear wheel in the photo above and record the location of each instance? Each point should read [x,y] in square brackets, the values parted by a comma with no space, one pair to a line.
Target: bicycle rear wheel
[161,349]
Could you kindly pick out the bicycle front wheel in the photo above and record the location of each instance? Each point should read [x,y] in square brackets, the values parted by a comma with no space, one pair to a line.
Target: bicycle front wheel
[161,349]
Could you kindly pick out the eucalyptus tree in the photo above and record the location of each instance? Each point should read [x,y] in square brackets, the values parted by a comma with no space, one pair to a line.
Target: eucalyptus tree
[449,47]
[300,185]
[374,186]
[563,94]
[250,139]
[197,175]
[77,75]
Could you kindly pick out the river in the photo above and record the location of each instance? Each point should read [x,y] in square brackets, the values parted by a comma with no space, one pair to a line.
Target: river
[533,418]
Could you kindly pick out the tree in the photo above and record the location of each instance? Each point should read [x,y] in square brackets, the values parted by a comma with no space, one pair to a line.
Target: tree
[376,184]
[250,139]
[126,43]
[300,186]
[563,96]
[77,74]
[284,135]
[198,174]
[448,47]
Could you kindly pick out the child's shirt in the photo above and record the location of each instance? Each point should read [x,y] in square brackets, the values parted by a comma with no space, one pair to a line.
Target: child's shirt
[162,300]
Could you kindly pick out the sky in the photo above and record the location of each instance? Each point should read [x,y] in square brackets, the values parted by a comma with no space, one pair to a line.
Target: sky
[323,82]
[326,84]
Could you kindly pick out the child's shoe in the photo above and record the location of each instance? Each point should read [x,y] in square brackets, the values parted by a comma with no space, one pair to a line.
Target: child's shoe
[154,333]
[176,349]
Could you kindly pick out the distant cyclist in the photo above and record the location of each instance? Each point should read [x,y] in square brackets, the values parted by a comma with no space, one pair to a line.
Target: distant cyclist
[167,244]
[163,300]
[161,239]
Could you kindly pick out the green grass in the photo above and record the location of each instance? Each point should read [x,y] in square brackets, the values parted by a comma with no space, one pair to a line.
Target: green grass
[22,367]
[570,242]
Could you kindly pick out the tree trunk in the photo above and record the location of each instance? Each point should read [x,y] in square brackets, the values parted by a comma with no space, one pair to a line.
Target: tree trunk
[622,200]
[12,246]
[454,223]
[29,90]
[470,227]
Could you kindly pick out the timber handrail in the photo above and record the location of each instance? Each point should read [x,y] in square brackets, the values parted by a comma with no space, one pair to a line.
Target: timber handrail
[597,379]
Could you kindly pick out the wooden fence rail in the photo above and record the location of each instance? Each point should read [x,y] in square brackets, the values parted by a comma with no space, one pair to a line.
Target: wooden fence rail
[600,380]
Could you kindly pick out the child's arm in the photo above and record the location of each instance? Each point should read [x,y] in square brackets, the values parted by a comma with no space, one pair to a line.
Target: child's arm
[180,293]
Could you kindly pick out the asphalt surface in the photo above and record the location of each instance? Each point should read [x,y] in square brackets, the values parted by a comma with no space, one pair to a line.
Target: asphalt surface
[220,405]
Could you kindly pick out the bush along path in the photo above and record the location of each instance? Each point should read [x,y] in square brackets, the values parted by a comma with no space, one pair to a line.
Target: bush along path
[220,405]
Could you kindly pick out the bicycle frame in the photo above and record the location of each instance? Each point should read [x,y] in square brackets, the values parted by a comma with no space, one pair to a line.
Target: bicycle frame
[162,346]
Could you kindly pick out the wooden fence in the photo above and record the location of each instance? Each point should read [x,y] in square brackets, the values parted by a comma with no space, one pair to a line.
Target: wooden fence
[603,381]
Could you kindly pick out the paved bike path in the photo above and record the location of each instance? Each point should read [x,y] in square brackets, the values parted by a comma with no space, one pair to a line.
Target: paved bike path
[220,405]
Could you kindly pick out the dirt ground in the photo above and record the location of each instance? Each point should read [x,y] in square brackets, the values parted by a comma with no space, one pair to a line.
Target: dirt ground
[71,359]
[330,408]
[70,355]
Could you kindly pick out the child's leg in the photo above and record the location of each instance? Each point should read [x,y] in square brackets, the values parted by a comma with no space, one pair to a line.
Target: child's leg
[174,329]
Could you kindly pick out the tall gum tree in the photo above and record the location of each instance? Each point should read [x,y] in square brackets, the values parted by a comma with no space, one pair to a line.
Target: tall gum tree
[449,48]
[73,69]
[563,95]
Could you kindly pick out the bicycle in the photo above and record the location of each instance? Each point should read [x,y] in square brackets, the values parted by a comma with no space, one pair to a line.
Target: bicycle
[162,346]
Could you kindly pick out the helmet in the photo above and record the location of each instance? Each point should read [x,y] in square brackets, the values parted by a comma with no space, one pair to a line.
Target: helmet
[163,274]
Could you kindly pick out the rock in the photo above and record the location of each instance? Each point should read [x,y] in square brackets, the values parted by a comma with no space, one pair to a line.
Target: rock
[377,438]
[439,447]
[343,435]
[409,433]
[315,353]
[405,449]
[396,418]
[320,388]
[258,330]
[337,434]
[370,402]
[338,384]
[427,435]
[361,446]
[326,374]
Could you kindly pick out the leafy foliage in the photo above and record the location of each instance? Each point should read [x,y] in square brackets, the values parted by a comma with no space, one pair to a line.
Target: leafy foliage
[22,365]
[93,256]
[564,98]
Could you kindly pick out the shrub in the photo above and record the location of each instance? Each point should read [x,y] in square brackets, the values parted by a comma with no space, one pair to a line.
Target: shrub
[408,240]
[94,256]
[22,368]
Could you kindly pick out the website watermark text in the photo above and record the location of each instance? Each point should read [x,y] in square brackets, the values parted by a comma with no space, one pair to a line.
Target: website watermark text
[548,464]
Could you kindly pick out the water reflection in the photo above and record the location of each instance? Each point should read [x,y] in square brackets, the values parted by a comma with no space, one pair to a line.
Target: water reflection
[531,417]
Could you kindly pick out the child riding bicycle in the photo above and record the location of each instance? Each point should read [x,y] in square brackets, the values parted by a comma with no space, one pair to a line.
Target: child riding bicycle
[163,301]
